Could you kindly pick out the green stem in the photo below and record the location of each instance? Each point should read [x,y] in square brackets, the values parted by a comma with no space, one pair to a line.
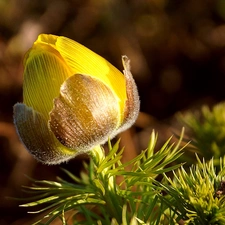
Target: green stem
[112,199]
[98,155]
[113,205]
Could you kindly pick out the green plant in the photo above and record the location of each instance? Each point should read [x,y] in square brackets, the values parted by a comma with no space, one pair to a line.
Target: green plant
[97,197]
[206,129]
[198,194]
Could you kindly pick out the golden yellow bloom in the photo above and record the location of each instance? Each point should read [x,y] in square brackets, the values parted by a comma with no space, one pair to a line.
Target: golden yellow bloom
[73,99]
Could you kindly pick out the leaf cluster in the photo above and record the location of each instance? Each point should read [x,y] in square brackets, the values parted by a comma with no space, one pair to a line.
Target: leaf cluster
[108,193]
[206,129]
[198,195]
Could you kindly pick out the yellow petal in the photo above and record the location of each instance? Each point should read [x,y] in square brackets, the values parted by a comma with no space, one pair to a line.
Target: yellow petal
[38,139]
[44,73]
[48,39]
[84,61]
[85,114]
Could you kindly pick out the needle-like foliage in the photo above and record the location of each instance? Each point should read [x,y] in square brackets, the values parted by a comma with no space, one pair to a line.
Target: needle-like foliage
[198,194]
[108,193]
[206,129]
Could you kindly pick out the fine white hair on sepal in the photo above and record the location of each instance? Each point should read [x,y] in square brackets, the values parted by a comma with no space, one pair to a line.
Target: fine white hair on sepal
[132,105]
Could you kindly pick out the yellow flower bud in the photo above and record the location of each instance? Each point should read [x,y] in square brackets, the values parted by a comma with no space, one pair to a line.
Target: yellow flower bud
[73,100]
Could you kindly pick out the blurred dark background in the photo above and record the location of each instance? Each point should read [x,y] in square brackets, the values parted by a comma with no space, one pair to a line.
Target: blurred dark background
[177,51]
